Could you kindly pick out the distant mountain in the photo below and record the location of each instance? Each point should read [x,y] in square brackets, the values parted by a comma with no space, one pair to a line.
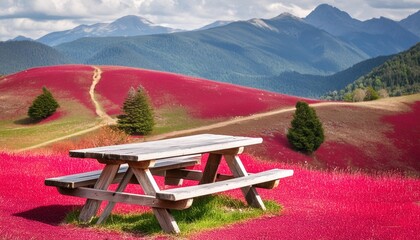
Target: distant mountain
[241,52]
[20,55]
[333,20]
[315,86]
[400,75]
[215,24]
[412,23]
[375,37]
[125,26]
[21,38]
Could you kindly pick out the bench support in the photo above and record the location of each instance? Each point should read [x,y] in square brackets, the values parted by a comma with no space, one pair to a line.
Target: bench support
[210,170]
[105,179]
[148,183]
[121,187]
[238,170]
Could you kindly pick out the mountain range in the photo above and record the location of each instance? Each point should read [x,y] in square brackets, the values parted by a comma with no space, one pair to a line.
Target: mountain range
[283,54]
[126,26]
[377,36]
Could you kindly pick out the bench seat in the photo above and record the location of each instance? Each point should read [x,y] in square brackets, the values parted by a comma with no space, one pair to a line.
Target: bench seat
[90,178]
[182,193]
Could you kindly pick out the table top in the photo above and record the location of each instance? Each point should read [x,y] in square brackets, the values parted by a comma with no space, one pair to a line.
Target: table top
[167,148]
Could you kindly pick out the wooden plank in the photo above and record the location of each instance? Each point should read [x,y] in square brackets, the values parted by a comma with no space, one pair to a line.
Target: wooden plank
[91,206]
[80,179]
[210,170]
[90,178]
[129,198]
[250,193]
[160,149]
[164,217]
[196,175]
[266,185]
[210,188]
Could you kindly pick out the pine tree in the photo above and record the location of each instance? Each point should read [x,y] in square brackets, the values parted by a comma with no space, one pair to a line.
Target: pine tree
[43,106]
[306,133]
[138,113]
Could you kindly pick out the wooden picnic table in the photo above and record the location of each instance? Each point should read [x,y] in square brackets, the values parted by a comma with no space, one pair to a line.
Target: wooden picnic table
[138,162]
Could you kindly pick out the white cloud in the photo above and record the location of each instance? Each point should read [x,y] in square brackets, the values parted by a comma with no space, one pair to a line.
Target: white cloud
[34,18]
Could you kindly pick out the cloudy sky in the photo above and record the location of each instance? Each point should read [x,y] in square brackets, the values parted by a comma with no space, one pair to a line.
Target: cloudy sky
[35,18]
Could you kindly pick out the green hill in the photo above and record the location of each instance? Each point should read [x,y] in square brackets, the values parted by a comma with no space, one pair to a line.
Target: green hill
[21,55]
[398,76]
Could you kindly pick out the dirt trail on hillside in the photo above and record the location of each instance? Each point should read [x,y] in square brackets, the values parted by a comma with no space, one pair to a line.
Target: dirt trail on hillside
[105,118]
[388,104]
[98,108]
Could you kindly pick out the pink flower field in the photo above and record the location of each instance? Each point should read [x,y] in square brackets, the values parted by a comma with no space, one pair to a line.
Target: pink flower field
[203,98]
[317,205]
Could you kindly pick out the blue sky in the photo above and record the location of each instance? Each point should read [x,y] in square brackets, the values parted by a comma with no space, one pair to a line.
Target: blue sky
[35,18]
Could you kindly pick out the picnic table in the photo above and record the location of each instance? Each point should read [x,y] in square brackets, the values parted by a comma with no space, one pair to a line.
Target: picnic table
[138,162]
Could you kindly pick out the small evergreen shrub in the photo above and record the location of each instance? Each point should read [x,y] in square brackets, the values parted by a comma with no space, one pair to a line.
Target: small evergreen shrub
[306,133]
[43,106]
[138,113]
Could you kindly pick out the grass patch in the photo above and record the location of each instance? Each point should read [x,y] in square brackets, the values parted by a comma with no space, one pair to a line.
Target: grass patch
[173,118]
[207,212]
[17,133]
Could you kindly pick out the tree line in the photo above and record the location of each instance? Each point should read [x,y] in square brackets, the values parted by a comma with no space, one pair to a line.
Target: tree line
[396,77]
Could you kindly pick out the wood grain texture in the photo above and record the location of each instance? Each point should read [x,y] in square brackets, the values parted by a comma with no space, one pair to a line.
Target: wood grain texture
[90,178]
[210,188]
[155,150]
[122,197]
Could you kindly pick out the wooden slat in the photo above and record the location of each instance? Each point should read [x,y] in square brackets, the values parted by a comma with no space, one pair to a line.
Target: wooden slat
[129,198]
[182,146]
[90,178]
[206,189]
[196,175]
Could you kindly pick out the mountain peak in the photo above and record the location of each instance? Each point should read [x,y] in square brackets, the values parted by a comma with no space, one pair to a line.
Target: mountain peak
[286,15]
[412,23]
[215,24]
[332,20]
[133,19]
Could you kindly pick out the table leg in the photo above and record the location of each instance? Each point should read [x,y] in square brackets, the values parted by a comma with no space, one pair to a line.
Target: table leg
[210,171]
[121,187]
[105,179]
[238,170]
[148,183]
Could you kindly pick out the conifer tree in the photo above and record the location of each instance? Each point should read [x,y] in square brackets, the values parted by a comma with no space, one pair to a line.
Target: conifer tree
[138,113]
[43,106]
[306,133]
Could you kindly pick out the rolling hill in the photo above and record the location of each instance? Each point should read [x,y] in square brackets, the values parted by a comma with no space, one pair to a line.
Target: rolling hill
[20,55]
[315,86]
[180,101]
[399,75]
[363,136]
